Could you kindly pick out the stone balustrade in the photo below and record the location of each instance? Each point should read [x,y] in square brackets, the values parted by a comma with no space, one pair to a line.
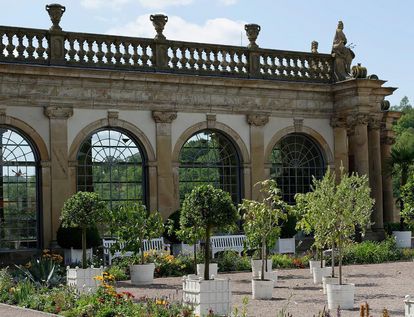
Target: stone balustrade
[57,47]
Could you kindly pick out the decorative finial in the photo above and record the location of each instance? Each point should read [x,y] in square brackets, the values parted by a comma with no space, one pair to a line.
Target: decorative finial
[359,71]
[314,47]
[159,21]
[55,11]
[252,32]
[385,105]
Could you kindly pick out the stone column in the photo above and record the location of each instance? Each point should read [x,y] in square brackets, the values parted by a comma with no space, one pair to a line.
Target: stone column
[257,149]
[340,145]
[165,183]
[375,171]
[359,142]
[59,165]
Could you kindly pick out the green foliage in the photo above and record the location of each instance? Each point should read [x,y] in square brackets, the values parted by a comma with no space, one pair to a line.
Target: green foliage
[262,219]
[229,261]
[372,252]
[82,210]
[118,272]
[286,261]
[206,209]
[72,237]
[334,211]
[407,192]
[132,224]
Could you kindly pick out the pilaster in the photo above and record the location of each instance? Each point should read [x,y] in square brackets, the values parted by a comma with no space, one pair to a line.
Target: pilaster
[358,125]
[257,149]
[165,181]
[341,152]
[59,165]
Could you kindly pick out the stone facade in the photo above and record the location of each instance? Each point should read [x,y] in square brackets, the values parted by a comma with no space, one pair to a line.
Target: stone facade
[57,107]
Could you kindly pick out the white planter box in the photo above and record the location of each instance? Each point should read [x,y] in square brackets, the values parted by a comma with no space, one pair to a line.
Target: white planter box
[409,306]
[83,279]
[402,238]
[315,263]
[340,295]
[262,289]
[257,267]
[74,256]
[212,268]
[286,245]
[204,296]
[329,280]
[319,272]
[272,275]
[142,274]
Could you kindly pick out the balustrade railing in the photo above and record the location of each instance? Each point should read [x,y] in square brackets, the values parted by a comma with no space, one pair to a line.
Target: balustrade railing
[51,47]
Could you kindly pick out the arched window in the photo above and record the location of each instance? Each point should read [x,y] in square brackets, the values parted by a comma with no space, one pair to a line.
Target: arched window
[209,157]
[295,159]
[111,163]
[19,208]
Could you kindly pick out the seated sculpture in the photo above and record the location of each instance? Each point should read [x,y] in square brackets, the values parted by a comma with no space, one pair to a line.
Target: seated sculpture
[342,54]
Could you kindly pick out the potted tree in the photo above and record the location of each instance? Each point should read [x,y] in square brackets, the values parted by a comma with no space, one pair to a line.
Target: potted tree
[133,224]
[344,206]
[206,209]
[83,210]
[261,226]
[70,240]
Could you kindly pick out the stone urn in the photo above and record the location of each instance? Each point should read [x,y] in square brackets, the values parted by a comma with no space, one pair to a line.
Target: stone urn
[252,32]
[159,21]
[55,11]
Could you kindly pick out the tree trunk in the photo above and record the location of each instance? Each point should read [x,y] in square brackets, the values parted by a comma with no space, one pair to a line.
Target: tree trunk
[263,259]
[340,259]
[321,257]
[195,258]
[207,254]
[84,247]
[333,259]
[141,245]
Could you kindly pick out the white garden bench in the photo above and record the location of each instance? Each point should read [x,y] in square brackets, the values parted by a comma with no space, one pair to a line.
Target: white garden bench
[153,244]
[224,243]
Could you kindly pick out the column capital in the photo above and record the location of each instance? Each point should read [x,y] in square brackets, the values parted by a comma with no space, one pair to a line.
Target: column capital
[357,119]
[338,122]
[375,122]
[164,116]
[257,120]
[56,112]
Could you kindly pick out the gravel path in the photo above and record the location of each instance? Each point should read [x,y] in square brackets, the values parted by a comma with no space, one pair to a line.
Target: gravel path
[381,285]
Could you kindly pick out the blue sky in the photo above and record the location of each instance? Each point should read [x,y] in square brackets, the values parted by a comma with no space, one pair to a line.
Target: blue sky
[381,30]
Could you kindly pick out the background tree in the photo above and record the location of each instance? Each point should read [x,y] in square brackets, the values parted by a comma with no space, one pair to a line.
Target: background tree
[207,208]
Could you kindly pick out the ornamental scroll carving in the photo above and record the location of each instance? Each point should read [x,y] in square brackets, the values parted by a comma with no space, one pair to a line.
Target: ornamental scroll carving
[164,116]
[55,112]
[257,119]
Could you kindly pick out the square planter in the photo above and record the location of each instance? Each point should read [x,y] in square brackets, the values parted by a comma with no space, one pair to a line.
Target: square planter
[212,270]
[203,296]
[319,272]
[409,306]
[315,263]
[340,295]
[74,256]
[257,267]
[286,245]
[83,279]
[402,238]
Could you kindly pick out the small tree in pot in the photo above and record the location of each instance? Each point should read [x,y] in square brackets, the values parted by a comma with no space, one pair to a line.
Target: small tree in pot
[261,221]
[83,210]
[342,208]
[207,208]
[132,224]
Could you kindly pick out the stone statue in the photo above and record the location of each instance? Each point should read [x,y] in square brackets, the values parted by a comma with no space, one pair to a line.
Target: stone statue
[342,54]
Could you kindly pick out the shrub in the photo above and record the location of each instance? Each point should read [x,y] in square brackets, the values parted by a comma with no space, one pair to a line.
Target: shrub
[72,237]
[229,261]
[119,272]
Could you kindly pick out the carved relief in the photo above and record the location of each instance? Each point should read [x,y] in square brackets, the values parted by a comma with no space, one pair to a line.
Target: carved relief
[211,120]
[55,112]
[338,122]
[164,116]
[375,122]
[112,118]
[257,120]
[298,124]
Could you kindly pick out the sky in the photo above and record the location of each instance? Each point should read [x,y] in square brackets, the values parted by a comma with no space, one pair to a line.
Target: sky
[381,31]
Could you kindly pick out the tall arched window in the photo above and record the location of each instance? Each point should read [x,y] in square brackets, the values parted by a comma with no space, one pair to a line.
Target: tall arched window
[295,159]
[19,209]
[209,157]
[111,163]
